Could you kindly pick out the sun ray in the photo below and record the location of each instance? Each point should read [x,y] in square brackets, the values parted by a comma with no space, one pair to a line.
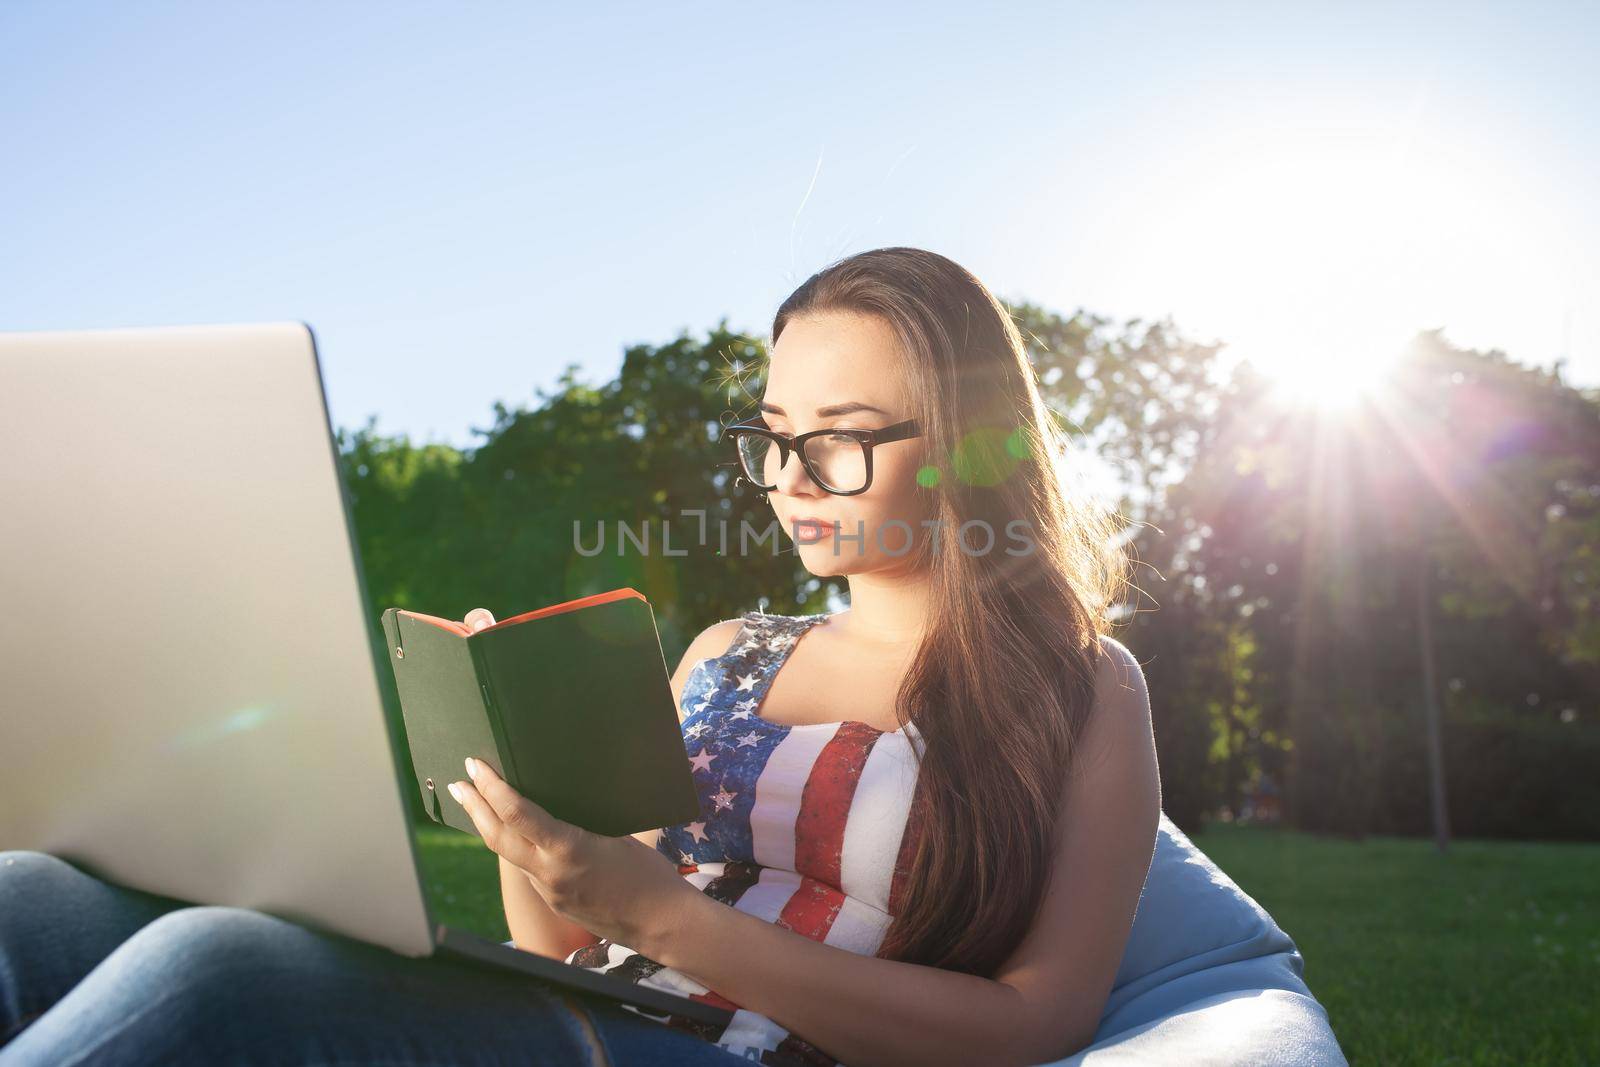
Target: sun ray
[1489,516]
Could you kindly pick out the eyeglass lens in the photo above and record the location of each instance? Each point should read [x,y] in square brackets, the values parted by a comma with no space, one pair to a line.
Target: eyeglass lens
[839,460]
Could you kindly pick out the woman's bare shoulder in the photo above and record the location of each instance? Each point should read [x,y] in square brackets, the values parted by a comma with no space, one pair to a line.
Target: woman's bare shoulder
[1119,670]
[714,640]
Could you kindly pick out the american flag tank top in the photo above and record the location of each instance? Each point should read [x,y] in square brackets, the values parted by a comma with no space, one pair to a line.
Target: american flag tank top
[805,826]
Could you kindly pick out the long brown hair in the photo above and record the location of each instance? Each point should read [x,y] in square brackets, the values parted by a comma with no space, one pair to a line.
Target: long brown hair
[1003,680]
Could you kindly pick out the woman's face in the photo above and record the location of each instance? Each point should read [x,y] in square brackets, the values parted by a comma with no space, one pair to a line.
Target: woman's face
[844,369]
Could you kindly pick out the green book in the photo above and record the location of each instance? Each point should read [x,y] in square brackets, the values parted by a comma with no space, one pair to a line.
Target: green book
[571,704]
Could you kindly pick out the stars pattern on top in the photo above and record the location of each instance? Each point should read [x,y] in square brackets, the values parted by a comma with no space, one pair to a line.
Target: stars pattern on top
[762,632]
[724,693]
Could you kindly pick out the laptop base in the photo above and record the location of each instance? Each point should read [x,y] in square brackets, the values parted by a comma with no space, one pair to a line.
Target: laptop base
[498,954]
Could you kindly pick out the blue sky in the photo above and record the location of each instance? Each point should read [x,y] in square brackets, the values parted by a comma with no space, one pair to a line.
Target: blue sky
[464,198]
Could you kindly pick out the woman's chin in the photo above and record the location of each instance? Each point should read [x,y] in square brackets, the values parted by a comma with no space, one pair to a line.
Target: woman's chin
[822,560]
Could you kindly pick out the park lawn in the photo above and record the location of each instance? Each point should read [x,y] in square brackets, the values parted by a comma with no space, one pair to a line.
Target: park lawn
[1487,955]
[1490,955]
[462,880]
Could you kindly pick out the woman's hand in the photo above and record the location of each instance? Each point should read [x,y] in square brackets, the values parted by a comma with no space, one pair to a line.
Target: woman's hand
[615,887]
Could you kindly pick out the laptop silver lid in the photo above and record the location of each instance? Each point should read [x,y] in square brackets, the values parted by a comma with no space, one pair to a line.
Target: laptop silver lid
[188,696]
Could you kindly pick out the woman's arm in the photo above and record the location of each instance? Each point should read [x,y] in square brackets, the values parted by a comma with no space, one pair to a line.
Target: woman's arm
[1043,1004]
[534,926]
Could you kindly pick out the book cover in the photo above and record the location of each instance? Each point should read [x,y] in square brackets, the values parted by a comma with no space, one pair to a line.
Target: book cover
[571,704]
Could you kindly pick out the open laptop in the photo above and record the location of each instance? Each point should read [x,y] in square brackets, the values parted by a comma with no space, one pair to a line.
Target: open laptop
[190,697]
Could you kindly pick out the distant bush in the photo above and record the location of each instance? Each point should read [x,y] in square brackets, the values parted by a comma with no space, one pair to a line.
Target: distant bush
[1507,775]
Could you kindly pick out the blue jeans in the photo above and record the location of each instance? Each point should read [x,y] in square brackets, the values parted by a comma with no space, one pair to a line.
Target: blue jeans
[92,972]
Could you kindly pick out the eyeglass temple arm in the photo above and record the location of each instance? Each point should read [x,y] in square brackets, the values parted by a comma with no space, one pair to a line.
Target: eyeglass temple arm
[898,432]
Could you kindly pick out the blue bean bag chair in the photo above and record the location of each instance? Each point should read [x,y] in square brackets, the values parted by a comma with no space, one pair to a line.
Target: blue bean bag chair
[1207,977]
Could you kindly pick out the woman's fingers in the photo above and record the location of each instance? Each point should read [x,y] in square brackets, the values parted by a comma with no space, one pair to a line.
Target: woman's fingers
[478,618]
[515,810]
[500,838]
[510,823]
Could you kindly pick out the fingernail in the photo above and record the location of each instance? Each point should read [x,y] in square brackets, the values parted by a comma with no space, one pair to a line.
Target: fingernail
[455,791]
[472,768]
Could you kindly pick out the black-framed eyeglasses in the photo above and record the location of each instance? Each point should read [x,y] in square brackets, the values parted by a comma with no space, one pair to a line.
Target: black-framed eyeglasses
[839,459]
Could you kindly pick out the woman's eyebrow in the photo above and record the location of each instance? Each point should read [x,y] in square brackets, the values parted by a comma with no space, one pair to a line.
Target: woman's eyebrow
[847,408]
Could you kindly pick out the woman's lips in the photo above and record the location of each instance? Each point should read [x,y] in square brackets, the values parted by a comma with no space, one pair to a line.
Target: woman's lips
[809,531]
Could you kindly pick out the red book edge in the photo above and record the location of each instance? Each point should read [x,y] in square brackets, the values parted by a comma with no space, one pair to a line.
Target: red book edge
[455,626]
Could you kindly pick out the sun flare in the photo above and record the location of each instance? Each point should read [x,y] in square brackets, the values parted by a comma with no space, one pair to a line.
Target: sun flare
[1333,383]
[1316,248]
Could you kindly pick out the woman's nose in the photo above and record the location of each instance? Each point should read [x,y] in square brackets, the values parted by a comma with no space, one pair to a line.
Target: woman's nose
[792,478]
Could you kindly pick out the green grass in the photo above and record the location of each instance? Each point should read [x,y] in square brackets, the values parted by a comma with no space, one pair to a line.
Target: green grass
[462,880]
[1490,955]
[1487,955]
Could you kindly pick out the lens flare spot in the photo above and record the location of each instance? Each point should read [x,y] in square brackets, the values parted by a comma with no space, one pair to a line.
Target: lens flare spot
[928,477]
[981,457]
[1017,443]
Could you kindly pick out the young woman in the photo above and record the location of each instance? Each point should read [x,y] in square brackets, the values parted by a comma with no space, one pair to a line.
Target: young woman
[925,819]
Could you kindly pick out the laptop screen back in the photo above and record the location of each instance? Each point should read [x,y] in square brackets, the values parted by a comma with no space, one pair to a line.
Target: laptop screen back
[188,699]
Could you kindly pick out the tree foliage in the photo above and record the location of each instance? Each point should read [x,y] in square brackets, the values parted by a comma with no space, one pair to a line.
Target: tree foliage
[1279,553]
